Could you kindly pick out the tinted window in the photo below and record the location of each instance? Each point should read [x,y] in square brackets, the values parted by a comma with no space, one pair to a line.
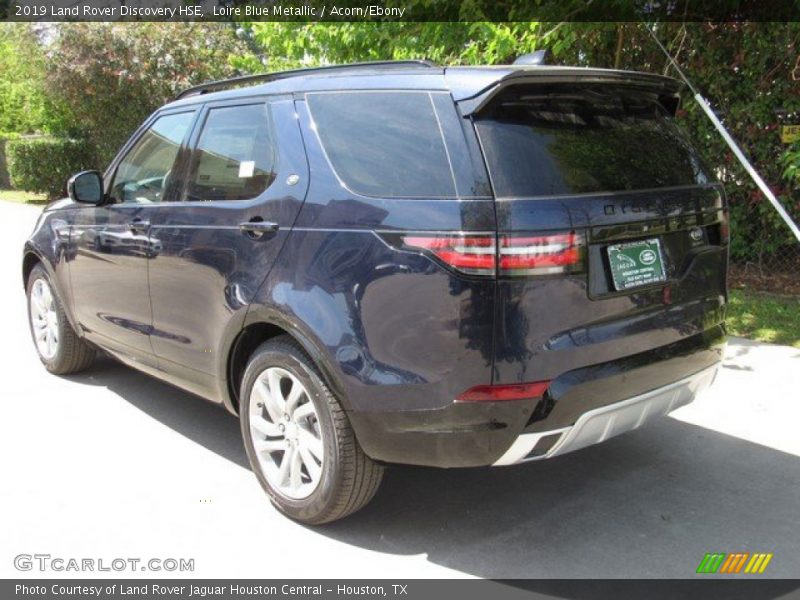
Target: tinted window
[234,158]
[567,141]
[384,143]
[143,176]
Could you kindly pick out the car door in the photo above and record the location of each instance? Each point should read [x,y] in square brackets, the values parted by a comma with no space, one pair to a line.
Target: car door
[245,182]
[112,243]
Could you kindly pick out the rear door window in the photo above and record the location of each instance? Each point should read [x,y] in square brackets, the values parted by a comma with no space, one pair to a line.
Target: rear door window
[385,144]
[544,141]
[235,155]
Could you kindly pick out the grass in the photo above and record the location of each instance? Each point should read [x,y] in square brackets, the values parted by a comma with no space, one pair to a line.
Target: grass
[22,197]
[774,319]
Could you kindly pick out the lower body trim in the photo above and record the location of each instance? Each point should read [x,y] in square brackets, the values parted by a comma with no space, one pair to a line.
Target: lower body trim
[602,423]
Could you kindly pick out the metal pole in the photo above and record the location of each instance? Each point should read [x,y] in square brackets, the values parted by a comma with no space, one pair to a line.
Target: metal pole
[737,151]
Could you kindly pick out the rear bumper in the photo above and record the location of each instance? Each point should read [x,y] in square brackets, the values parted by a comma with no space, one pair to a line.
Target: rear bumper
[602,423]
[611,397]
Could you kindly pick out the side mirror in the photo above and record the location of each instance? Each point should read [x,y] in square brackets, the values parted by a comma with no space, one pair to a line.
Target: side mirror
[86,187]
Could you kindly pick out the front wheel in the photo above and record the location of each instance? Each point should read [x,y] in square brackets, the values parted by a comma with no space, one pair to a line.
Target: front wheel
[59,347]
[299,440]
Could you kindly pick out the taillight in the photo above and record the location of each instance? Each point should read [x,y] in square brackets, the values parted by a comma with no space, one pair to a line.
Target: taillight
[473,254]
[541,254]
[499,393]
[520,254]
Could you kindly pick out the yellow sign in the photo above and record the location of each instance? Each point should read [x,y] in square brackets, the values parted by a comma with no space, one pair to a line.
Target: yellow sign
[790,133]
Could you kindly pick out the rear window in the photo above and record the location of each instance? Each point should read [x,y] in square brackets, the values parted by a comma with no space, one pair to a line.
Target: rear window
[544,141]
[385,144]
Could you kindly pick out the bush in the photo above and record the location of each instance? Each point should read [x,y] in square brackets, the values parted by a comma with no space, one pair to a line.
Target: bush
[43,165]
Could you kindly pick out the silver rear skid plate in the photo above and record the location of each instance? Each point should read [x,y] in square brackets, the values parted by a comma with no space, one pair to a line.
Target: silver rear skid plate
[602,423]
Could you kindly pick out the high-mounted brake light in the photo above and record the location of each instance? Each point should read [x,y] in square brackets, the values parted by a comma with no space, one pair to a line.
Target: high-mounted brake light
[499,393]
[516,255]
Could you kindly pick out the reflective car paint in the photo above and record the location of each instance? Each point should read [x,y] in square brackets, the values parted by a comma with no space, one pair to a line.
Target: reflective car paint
[396,335]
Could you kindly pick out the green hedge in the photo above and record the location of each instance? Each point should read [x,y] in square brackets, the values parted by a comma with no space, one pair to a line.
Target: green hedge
[44,164]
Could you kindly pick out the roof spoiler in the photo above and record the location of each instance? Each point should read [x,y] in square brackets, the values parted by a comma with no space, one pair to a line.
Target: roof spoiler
[667,88]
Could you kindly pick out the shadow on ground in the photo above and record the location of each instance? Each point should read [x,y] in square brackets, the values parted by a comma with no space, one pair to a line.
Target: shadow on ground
[647,504]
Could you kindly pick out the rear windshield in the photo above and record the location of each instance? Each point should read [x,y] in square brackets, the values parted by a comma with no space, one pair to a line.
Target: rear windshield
[544,141]
[385,144]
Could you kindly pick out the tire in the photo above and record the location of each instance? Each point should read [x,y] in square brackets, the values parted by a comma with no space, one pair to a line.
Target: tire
[347,478]
[69,353]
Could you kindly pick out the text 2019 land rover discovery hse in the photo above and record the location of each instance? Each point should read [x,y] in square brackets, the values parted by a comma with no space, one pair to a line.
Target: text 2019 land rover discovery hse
[397,263]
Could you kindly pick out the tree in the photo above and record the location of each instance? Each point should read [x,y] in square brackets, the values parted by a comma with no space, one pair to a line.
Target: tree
[23,107]
[108,78]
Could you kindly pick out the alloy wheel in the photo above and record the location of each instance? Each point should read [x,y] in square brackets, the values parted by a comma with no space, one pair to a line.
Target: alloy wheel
[286,433]
[44,319]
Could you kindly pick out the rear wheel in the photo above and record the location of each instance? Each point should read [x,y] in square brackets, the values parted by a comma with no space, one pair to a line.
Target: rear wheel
[59,347]
[299,440]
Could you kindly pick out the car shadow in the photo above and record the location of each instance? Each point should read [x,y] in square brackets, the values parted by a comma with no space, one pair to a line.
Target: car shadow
[203,422]
[650,503]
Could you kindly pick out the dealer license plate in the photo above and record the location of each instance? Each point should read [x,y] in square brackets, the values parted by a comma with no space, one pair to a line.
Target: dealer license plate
[635,264]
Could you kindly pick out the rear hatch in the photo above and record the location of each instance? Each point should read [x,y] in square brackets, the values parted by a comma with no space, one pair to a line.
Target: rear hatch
[612,236]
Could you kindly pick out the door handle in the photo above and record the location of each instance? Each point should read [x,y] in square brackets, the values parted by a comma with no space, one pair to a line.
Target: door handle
[256,229]
[138,225]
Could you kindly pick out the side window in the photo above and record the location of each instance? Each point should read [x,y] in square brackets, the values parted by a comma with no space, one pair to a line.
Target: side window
[143,176]
[235,155]
[384,143]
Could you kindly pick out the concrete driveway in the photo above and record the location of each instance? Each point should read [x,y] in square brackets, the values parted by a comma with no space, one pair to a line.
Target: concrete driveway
[114,464]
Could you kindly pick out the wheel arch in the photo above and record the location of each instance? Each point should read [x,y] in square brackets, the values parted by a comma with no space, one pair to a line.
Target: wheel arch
[29,260]
[259,329]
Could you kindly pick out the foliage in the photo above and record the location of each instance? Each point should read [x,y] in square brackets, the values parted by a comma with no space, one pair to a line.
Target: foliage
[44,164]
[291,45]
[764,318]
[109,77]
[791,164]
[23,107]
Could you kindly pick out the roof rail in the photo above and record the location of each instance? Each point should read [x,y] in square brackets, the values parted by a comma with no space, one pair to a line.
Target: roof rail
[224,84]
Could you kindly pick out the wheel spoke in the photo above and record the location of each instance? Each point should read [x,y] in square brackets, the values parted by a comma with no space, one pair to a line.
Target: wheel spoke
[311,442]
[314,469]
[38,303]
[296,472]
[264,427]
[295,394]
[47,296]
[286,465]
[263,395]
[303,411]
[276,404]
[270,445]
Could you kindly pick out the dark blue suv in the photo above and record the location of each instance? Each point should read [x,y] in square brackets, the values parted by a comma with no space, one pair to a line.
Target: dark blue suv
[398,263]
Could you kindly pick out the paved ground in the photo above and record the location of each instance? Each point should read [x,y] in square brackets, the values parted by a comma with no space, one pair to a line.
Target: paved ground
[115,464]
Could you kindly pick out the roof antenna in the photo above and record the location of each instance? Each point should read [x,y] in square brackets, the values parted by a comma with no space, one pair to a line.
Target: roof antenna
[737,151]
[539,57]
